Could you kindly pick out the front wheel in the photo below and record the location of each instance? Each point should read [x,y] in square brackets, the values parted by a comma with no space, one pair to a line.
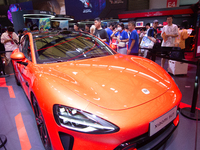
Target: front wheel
[41,125]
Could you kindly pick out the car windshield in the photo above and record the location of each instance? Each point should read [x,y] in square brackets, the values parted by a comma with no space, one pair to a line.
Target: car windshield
[68,46]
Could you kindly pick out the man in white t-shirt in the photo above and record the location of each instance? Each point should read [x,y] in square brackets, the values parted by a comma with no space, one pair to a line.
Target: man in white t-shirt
[169,33]
[10,41]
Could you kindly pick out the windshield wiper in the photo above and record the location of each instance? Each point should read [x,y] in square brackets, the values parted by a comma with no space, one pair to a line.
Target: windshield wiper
[54,61]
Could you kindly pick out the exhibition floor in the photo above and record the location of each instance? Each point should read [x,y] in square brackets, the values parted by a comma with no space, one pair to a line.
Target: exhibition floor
[17,120]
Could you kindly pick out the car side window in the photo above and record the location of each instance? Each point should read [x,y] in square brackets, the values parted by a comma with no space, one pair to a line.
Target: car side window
[26,48]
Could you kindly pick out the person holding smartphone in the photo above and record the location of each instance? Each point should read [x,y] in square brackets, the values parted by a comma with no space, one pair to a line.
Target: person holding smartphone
[10,41]
[122,37]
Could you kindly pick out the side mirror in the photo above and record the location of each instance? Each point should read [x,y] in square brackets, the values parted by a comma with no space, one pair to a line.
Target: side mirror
[17,56]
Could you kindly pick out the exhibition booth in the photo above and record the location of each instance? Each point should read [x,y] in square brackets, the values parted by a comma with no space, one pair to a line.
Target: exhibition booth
[84,95]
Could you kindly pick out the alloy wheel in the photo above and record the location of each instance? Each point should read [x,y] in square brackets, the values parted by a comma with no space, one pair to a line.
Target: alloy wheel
[41,125]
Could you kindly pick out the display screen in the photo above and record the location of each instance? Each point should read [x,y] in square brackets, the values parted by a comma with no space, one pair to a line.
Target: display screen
[5,12]
[4,21]
[44,23]
[60,24]
[57,6]
[18,7]
[85,9]
[29,22]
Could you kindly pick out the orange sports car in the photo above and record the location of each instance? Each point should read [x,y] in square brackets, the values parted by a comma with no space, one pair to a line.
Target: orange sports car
[86,96]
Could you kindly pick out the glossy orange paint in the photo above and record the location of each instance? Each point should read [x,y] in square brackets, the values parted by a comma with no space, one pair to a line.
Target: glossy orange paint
[128,91]
[176,121]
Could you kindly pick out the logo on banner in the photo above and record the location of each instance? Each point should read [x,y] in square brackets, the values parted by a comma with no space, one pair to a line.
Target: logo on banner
[2,16]
[87,5]
[116,1]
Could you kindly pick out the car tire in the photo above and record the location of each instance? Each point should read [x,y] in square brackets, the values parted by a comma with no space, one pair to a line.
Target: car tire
[41,125]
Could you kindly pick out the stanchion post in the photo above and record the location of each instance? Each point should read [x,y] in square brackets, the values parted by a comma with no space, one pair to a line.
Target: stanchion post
[193,113]
[196,87]
[3,140]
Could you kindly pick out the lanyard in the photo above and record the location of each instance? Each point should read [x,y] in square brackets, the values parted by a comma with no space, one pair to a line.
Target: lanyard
[11,39]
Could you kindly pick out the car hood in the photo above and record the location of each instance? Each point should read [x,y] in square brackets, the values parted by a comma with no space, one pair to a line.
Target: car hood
[113,82]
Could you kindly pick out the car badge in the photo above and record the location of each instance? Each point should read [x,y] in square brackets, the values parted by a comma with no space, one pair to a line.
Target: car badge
[145,91]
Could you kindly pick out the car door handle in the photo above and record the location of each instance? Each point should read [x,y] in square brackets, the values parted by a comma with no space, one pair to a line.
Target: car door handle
[27,84]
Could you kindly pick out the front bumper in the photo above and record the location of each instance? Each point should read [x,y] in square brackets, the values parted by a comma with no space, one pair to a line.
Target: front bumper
[144,142]
[133,133]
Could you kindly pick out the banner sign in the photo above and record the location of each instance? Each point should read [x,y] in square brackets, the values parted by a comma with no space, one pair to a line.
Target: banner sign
[171,3]
[116,1]
[156,13]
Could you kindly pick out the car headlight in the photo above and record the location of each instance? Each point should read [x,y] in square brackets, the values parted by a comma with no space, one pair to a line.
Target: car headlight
[82,121]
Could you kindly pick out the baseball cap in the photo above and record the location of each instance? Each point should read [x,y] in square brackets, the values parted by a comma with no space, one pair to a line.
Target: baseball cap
[25,29]
[155,21]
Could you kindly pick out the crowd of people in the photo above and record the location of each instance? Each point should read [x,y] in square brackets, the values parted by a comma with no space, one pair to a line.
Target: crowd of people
[124,39]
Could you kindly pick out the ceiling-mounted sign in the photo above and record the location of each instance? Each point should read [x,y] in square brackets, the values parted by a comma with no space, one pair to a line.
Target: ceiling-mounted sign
[156,13]
[172,3]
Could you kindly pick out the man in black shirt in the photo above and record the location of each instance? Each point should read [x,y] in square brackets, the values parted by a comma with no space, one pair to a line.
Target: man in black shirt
[152,35]
[100,32]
